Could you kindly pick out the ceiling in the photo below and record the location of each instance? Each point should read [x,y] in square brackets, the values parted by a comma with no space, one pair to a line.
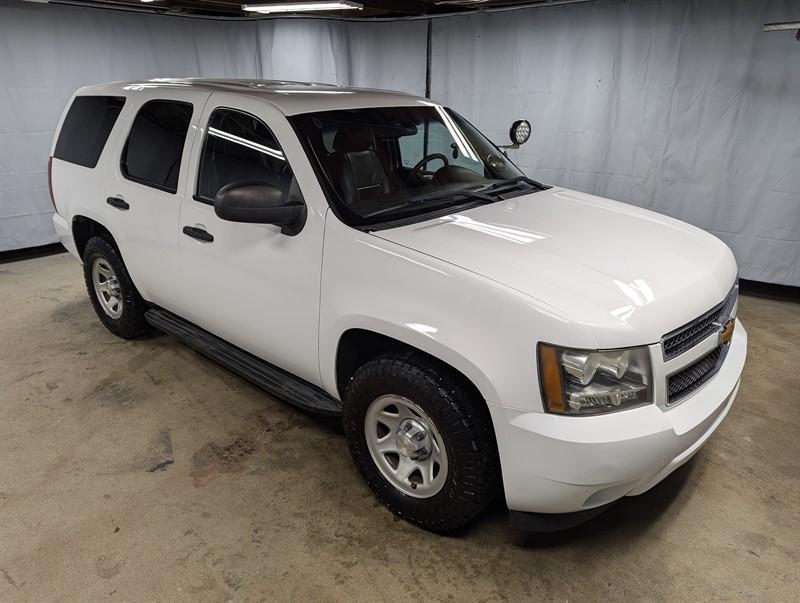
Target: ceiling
[372,8]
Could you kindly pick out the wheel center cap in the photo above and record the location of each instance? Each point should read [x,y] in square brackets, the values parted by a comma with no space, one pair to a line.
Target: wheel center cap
[413,440]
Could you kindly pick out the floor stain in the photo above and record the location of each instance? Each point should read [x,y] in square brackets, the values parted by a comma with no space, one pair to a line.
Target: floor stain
[27,376]
[117,393]
[154,380]
[73,311]
[212,459]
[107,567]
[10,580]
[207,584]
[232,580]
[162,466]
[158,455]
[141,360]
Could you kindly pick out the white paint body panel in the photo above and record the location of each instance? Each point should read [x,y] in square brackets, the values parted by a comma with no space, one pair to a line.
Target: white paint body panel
[147,233]
[477,289]
[254,286]
[628,274]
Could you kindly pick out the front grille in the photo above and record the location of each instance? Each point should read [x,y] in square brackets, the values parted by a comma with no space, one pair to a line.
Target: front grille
[689,335]
[693,376]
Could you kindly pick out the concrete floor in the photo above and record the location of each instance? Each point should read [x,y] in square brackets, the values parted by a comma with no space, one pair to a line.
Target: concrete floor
[142,471]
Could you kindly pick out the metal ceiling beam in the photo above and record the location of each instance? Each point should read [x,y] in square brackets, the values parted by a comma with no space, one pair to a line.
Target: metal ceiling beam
[211,9]
[414,7]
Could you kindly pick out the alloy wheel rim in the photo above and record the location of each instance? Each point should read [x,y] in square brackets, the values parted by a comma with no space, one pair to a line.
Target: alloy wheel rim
[107,288]
[406,446]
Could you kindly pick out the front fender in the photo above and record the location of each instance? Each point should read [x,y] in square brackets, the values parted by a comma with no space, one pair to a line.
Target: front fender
[484,329]
[420,336]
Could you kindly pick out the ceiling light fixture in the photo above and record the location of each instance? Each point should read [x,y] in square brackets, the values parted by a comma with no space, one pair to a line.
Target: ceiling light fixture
[301,7]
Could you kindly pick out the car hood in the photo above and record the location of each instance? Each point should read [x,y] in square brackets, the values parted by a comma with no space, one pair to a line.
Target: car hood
[628,274]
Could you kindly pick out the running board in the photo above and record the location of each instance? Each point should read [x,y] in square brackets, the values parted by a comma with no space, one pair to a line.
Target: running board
[276,381]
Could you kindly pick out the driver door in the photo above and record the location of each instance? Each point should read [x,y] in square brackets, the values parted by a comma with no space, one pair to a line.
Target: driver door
[250,284]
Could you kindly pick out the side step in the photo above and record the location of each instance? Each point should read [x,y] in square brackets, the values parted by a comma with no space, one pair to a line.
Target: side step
[277,382]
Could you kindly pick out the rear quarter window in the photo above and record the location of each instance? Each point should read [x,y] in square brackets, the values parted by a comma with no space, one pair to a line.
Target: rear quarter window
[86,127]
[153,152]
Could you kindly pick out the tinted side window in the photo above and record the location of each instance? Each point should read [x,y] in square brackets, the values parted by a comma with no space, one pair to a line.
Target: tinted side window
[152,155]
[241,148]
[86,128]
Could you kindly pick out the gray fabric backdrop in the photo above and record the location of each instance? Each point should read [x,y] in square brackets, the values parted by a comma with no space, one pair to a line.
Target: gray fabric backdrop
[681,106]
[47,52]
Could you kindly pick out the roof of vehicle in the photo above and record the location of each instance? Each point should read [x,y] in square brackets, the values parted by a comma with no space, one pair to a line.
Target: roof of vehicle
[289,97]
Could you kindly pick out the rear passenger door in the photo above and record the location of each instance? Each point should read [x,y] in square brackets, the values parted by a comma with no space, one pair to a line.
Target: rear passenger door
[248,283]
[144,195]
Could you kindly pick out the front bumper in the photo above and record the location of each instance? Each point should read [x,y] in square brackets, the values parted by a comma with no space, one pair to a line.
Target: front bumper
[557,464]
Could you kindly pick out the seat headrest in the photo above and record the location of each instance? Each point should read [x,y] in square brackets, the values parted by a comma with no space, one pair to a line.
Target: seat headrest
[352,140]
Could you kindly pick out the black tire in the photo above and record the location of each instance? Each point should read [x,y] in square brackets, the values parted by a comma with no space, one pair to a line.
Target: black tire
[131,322]
[460,416]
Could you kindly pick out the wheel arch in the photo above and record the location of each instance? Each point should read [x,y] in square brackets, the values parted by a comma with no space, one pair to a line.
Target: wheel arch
[84,228]
[358,345]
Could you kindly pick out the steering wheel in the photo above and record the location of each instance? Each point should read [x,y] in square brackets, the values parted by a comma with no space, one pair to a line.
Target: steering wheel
[415,171]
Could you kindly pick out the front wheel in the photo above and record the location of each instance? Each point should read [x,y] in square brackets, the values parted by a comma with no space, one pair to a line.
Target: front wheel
[422,439]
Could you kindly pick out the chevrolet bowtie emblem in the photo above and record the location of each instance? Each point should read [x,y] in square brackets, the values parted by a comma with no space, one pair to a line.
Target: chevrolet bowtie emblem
[726,332]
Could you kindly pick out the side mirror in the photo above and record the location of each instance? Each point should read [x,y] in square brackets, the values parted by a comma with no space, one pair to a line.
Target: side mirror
[258,203]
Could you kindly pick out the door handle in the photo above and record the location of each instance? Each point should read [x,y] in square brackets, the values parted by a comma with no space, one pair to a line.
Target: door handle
[118,203]
[198,233]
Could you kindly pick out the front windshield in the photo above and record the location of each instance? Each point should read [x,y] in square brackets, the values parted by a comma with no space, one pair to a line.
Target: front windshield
[381,164]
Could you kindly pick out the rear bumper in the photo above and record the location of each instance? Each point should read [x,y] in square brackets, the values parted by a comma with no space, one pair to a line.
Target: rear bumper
[556,464]
[64,233]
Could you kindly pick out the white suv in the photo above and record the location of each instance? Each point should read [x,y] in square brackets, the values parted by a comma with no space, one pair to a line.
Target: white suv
[371,255]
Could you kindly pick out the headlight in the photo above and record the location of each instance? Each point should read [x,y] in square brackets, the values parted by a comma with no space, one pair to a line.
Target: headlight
[584,382]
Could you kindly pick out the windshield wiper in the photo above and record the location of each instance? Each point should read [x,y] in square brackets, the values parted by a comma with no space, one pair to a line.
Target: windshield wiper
[483,194]
[506,185]
[430,201]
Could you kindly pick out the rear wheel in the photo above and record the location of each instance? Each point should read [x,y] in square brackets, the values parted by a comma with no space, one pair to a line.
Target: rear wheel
[422,439]
[114,297]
